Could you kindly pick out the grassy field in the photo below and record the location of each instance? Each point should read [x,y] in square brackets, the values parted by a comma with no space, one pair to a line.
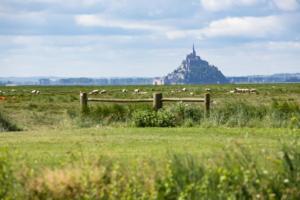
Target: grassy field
[151,163]
[247,149]
[58,107]
[54,147]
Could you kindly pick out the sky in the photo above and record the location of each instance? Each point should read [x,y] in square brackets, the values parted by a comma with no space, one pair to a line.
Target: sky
[142,38]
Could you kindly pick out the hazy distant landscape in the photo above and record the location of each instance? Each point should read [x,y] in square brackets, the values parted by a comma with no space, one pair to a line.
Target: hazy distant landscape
[276,78]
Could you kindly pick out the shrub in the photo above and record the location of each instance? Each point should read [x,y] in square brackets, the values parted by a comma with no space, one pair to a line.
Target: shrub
[187,113]
[6,124]
[161,118]
[284,109]
[144,118]
[165,119]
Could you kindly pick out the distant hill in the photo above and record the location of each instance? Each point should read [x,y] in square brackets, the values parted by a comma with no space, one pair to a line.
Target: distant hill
[194,70]
[75,81]
[275,78]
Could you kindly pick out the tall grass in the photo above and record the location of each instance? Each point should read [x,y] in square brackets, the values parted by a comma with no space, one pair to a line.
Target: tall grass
[6,124]
[7,178]
[231,114]
[236,174]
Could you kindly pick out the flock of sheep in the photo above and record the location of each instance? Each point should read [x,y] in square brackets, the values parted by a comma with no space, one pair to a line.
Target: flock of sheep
[243,90]
[138,91]
[135,91]
[35,92]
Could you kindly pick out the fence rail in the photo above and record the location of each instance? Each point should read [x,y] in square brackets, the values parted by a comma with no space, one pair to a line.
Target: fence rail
[157,101]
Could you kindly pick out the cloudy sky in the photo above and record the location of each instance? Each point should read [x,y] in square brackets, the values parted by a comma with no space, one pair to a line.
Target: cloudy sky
[120,38]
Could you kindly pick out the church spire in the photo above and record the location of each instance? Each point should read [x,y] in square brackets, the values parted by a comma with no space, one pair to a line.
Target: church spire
[194,52]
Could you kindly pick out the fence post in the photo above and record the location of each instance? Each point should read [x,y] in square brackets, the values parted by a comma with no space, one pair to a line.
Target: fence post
[157,101]
[207,104]
[83,101]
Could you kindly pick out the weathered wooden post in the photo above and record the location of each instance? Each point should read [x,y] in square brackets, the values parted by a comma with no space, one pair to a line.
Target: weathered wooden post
[207,104]
[83,101]
[157,101]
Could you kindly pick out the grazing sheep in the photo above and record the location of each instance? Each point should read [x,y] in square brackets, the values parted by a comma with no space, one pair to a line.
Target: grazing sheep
[103,92]
[124,91]
[232,91]
[241,90]
[184,89]
[207,89]
[253,91]
[94,92]
[137,91]
[192,93]
[36,92]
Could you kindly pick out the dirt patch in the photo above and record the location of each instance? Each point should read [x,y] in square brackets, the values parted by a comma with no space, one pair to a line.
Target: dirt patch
[2,98]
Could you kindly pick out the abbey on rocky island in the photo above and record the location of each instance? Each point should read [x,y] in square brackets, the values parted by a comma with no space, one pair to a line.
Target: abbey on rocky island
[193,70]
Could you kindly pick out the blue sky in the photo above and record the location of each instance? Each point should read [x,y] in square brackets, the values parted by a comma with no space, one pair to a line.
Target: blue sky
[121,38]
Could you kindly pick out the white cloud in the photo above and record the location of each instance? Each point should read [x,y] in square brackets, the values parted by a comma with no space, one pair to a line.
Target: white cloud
[66,2]
[244,26]
[100,21]
[251,27]
[287,5]
[26,17]
[217,5]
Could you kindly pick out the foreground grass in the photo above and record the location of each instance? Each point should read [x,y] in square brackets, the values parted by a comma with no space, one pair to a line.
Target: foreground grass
[58,147]
[152,163]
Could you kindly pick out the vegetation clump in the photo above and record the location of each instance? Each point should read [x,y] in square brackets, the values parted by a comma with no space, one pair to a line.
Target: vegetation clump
[161,118]
[7,178]
[237,174]
[6,124]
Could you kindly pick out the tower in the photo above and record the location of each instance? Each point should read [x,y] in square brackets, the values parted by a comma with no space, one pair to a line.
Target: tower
[194,52]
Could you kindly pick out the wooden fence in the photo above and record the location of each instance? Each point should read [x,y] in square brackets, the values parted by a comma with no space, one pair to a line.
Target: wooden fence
[157,101]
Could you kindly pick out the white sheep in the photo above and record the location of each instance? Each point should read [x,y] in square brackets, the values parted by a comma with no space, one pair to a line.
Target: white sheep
[241,90]
[94,92]
[253,91]
[207,89]
[36,92]
[124,91]
[184,89]
[137,91]
[103,92]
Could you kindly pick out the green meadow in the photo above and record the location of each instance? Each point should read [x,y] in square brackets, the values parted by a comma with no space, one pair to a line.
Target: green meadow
[248,148]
